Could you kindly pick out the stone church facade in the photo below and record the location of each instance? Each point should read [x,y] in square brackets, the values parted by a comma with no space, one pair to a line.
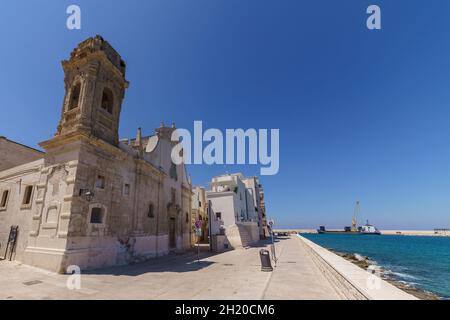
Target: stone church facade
[91,199]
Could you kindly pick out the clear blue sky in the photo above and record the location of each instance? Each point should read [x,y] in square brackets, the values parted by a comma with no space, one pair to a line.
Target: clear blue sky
[362,114]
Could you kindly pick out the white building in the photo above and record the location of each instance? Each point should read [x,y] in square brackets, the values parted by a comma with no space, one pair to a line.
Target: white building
[232,211]
[254,188]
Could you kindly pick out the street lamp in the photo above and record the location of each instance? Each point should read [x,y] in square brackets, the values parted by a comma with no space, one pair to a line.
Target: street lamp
[274,256]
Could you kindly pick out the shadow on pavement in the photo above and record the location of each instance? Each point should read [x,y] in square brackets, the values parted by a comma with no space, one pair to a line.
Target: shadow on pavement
[174,262]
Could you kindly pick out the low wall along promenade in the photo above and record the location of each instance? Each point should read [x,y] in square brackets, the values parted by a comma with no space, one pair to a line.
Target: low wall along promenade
[350,281]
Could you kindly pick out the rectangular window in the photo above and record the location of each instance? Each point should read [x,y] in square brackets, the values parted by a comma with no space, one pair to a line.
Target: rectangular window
[27,195]
[4,199]
[218,215]
[100,182]
[200,204]
[96,215]
[126,189]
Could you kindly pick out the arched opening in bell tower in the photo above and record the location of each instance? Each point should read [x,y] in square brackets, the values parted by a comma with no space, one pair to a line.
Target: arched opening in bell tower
[107,100]
[75,96]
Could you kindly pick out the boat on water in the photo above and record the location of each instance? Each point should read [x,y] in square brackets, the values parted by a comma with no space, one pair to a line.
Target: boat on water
[366,229]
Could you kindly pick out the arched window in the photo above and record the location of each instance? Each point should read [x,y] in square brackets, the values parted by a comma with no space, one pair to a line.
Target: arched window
[75,96]
[107,100]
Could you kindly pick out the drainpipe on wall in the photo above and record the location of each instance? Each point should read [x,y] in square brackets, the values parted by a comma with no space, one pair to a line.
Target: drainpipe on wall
[208,212]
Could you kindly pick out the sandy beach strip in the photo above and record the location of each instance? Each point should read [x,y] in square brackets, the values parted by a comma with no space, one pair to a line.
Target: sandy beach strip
[430,233]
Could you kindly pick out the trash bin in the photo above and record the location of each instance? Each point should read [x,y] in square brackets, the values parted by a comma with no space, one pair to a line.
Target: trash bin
[265,260]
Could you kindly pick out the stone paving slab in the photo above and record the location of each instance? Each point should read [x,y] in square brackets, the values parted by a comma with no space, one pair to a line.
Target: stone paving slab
[296,276]
[231,275]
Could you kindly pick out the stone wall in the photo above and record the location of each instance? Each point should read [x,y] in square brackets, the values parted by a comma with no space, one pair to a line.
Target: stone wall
[55,230]
[129,232]
[252,230]
[15,181]
[13,154]
[350,281]
[242,234]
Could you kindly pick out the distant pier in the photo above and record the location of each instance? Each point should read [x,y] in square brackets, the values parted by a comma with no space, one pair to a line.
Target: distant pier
[441,232]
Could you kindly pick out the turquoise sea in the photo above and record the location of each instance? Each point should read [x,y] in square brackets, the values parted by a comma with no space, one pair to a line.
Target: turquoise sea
[422,262]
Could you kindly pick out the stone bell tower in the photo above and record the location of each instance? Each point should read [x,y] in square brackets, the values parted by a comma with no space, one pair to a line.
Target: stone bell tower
[94,81]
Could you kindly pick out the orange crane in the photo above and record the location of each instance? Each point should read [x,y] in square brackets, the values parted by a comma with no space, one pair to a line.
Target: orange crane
[355,217]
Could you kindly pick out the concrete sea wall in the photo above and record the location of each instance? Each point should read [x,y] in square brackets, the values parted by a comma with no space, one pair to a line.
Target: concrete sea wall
[350,281]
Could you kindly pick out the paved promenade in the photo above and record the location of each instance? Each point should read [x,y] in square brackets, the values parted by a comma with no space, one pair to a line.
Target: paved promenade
[231,275]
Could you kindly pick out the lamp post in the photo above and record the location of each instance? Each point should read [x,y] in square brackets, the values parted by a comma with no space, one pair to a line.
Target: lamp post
[274,256]
[198,234]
